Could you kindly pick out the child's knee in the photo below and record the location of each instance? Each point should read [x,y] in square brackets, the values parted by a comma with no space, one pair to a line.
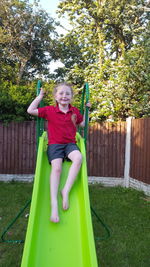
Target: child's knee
[56,167]
[78,158]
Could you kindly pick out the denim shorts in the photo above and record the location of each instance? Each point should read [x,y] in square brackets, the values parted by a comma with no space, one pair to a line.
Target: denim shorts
[56,151]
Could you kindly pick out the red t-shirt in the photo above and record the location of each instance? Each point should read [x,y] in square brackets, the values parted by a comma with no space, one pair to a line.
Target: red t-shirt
[61,126]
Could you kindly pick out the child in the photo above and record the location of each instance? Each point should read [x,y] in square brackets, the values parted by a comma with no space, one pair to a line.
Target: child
[62,121]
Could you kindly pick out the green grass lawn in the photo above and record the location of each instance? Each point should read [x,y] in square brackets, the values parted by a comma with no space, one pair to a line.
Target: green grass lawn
[125,211]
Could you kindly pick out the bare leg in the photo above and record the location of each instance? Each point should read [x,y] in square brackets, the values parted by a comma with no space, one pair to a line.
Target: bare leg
[54,184]
[76,158]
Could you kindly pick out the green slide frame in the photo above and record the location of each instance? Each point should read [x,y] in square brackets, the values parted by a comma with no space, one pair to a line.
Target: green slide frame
[69,243]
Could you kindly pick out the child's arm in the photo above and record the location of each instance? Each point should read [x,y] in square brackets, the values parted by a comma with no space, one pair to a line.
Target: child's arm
[82,124]
[33,108]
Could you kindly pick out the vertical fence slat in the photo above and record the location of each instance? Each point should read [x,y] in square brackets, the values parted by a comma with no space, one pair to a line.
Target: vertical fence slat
[118,145]
[102,151]
[33,138]
[1,146]
[5,148]
[12,145]
[24,144]
[94,151]
[90,154]
[98,146]
[16,149]
[113,149]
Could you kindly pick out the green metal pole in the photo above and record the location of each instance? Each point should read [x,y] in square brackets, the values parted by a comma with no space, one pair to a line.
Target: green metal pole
[39,121]
[85,96]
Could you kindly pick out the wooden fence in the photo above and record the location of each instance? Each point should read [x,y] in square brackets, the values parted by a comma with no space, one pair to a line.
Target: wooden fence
[140,150]
[17,148]
[105,149]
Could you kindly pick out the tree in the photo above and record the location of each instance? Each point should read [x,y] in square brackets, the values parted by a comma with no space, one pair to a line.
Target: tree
[15,99]
[27,39]
[109,36]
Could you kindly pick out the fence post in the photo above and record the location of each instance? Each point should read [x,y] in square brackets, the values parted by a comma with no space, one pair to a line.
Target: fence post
[127,153]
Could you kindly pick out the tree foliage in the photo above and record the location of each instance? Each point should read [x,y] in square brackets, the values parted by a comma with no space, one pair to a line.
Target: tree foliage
[27,40]
[108,46]
[111,39]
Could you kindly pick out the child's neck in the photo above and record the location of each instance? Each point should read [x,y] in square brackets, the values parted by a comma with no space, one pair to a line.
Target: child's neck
[63,108]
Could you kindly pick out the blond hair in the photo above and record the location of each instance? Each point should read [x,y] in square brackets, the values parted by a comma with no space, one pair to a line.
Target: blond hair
[58,86]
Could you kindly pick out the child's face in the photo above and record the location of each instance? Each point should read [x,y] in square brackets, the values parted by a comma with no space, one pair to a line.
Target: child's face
[63,95]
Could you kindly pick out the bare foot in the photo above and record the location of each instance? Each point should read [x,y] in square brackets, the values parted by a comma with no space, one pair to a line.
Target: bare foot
[65,197]
[54,214]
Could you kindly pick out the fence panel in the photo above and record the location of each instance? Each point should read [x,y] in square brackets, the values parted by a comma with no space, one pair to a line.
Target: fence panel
[140,150]
[106,149]
[17,148]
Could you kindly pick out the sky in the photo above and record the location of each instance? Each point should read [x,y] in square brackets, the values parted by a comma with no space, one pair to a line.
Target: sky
[50,6]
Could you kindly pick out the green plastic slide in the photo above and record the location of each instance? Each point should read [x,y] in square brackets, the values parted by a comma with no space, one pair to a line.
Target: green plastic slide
[69,243]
